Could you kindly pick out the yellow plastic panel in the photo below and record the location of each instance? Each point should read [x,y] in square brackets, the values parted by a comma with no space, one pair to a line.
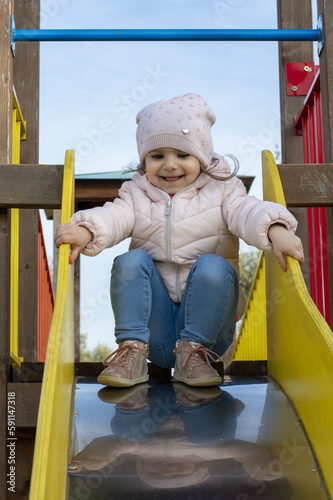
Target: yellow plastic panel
[14,244]
[300,343]
[15,361]
[281,432]
[51,447]
[251,343]
[14,279]
[23,126]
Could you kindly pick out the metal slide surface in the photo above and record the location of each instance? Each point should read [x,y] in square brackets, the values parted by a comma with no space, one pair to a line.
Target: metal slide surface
[242,441]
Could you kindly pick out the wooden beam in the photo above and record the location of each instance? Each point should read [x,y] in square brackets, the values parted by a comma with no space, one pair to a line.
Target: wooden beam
[6,82]
[96,190]
[26,83]
[26,77]
[31,186]
[93,192]
[27,397]
[6,104]
[28,285]
[325,7]
[290,16]
[33,372]
[247,368]
[4,342]
[307,185]
[24,457]
[326,78]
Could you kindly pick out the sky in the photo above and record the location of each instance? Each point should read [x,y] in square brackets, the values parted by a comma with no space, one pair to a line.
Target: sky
[90,93]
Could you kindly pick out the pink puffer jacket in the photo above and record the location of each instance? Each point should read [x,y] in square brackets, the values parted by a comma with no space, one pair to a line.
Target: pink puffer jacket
[206,217]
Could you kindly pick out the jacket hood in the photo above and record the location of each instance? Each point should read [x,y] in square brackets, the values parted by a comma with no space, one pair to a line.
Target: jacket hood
[219,166]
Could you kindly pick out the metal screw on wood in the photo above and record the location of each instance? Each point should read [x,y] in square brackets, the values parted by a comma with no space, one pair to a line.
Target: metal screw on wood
[294,88]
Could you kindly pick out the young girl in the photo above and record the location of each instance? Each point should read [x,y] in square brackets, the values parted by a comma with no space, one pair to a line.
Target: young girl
[175,294]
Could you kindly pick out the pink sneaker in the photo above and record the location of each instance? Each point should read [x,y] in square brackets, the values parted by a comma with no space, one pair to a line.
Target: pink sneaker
[193,366]
[126,366]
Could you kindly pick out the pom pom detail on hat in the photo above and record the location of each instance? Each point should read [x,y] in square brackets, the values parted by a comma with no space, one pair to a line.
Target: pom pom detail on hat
[183,122]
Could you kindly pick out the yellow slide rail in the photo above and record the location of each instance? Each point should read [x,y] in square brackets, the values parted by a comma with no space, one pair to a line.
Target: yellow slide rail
[251,344]
[18,134]
[48,480]
[300,342]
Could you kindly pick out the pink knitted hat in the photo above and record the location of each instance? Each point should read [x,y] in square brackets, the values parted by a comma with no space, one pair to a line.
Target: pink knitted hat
[182,122]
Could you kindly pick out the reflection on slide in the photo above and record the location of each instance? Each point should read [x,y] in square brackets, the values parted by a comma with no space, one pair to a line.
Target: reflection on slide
[173,441]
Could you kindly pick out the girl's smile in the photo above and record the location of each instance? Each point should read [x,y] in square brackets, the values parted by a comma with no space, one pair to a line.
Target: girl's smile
[172,179]
[171,170]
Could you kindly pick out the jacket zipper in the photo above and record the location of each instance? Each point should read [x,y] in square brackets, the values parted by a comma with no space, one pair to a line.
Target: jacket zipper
[169,202]
[168,228]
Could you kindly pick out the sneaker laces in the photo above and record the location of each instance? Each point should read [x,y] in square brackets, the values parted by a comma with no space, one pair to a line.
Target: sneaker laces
[123,355]
[199,352]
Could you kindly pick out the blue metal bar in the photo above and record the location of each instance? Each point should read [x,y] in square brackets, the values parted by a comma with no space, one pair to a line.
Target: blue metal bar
[166,35]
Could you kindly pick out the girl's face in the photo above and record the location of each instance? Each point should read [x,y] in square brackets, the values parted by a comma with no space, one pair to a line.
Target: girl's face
[170,169]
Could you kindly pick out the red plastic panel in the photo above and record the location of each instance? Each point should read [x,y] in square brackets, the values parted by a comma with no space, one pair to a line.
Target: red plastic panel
[299,77]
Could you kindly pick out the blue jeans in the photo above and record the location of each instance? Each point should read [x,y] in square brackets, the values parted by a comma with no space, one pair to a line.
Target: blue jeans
[144,311]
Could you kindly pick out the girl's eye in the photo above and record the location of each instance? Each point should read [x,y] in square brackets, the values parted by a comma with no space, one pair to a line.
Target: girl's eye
[157,157]
[183,155]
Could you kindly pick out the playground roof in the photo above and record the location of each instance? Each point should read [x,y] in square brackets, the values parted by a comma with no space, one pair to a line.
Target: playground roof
[118,175]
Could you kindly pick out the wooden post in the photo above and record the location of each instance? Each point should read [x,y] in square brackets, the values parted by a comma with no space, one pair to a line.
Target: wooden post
[326,78]
[4,341]
[325,7]
[6,104]
[26,82]
[291,16]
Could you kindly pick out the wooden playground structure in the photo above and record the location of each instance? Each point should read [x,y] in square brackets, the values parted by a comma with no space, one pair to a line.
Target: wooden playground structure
[288,318]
